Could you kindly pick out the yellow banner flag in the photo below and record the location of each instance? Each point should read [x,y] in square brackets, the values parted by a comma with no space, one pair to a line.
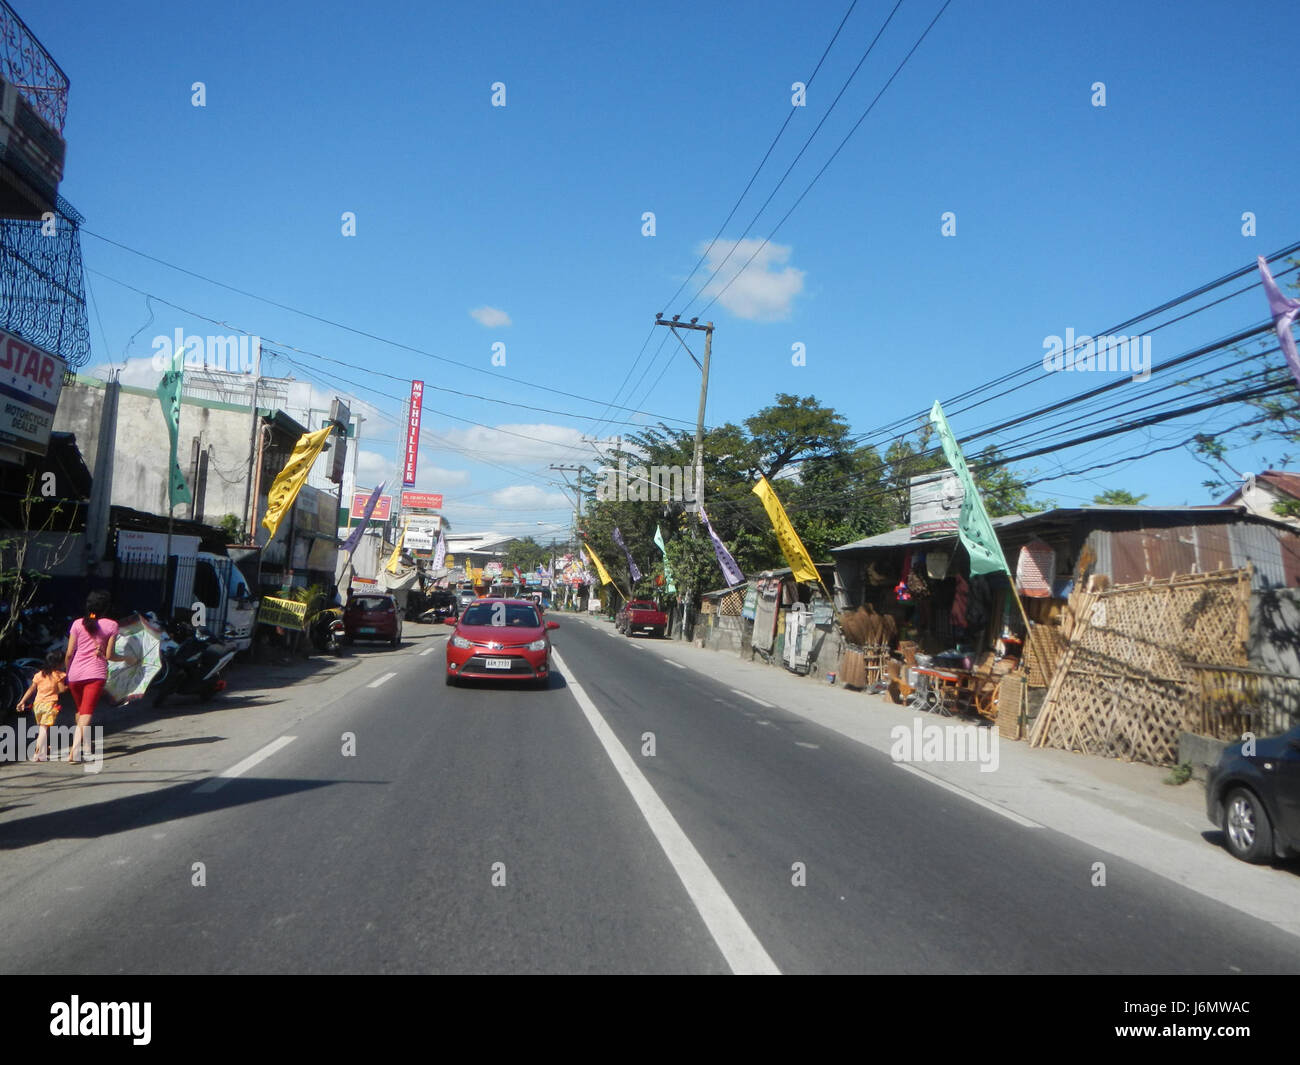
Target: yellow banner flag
[791,546]
[288,482]
[605,578]
[397,551]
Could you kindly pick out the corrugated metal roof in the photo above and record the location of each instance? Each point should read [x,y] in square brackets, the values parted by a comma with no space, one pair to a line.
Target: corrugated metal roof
[1258,545]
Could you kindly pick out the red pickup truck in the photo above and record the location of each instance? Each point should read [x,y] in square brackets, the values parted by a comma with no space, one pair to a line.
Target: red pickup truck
[641,615]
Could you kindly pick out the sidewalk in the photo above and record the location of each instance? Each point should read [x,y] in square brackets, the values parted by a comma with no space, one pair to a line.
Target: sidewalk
[1121,809]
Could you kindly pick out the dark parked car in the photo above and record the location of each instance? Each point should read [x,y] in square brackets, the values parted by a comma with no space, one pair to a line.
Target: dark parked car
[373,616]
[1255,798]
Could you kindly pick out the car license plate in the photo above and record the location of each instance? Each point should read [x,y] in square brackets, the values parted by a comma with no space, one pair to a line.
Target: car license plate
[497,663]
[366,628]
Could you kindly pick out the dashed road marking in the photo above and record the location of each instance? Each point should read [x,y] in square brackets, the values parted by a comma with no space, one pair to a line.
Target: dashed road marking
[676,665]
[428,651]
[752,698]
[240,768]
[380,680]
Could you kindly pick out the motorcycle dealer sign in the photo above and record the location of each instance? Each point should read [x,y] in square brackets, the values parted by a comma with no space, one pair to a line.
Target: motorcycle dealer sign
[30,382]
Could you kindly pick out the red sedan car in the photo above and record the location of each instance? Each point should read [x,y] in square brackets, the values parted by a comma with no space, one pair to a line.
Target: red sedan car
[373,616]
[497,638]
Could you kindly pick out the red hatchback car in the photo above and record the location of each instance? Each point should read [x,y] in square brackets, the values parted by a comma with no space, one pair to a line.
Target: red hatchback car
[373,616]
[501,638]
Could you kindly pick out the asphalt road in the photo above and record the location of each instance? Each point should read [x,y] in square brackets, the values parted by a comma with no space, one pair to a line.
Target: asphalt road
[488,829]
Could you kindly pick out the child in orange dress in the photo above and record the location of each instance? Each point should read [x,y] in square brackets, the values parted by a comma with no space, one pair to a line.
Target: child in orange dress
[45,687]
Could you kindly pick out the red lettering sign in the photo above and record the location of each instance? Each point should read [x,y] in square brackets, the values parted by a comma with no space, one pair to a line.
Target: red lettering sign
[413,433]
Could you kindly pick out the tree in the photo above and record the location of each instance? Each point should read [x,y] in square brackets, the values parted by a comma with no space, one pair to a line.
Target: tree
[527,554]
[1275,418]
[1118,497]
[44,542]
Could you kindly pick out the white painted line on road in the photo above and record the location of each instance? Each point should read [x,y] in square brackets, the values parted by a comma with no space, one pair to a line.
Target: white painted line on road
[740,947]
[752,698]
[677,665]
[1009,814]
[380,680]
[427,651]
[810,746]
[240,768]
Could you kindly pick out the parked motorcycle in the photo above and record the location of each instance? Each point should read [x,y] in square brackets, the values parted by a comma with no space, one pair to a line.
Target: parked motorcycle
[328,633]
[192,667]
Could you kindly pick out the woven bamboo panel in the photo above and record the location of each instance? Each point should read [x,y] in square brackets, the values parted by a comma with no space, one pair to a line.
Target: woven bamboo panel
[1011,693]
[1126,685]
[1050,642]
[731,604]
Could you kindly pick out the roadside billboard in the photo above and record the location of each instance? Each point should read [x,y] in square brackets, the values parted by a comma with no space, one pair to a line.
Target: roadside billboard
[413,433]
[936,500]
[421,534]
[30,382]
[421,501]
[383,509]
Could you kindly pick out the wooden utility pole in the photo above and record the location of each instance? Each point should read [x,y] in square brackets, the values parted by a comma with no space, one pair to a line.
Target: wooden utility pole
[698,462]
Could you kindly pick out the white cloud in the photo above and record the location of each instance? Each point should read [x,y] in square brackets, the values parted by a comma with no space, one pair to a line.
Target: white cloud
[530,495]
[545,443]
[490,317]
[765,291]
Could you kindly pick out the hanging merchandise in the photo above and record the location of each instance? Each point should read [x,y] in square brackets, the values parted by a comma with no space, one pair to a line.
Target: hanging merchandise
[901,593]
[1035,569]
[936,564]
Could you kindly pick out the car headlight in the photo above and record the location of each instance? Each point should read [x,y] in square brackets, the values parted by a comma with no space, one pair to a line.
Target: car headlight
[460,641]
[537,645]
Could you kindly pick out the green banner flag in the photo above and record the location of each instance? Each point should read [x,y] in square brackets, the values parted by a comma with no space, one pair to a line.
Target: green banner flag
[975,528]
[169,395]
[668,573]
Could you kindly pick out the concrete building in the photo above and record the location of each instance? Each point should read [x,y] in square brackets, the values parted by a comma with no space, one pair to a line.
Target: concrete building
[1262,490]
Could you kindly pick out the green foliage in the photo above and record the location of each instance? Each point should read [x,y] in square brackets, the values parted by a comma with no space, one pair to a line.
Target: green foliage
[233,527]
[1118,497]
[1180,774]
[527,554]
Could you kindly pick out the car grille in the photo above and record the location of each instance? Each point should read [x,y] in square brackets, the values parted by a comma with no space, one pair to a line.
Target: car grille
[478,664]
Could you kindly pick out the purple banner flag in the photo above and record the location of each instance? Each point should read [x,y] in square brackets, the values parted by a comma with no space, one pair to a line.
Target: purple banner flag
[352,541]
[1284,310]
[440,553]
[730,571]
[631,566]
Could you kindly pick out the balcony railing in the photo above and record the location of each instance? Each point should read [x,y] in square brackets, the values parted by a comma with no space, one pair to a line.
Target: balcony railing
[25,64]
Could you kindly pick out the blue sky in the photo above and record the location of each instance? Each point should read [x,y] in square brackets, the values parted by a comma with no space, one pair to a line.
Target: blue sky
[1068,215]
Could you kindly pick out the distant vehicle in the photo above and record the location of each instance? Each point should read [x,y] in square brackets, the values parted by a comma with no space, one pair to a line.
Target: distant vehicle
[441,606]
[373,616]
[641,615]
[465,597]
[1255,799]
[501,639]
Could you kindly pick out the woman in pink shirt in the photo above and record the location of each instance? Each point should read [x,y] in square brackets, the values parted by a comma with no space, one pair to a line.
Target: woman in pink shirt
[90,649]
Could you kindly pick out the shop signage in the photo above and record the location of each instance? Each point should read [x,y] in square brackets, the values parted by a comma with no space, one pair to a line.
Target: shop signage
[936,500]
[282,612]
[421,501]
[383,509]
[30,382]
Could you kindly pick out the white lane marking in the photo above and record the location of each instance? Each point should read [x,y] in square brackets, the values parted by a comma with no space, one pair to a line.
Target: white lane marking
[810,746]
[740,947]
[240,768]
[380,680]
[1009,814]
[428,651]
[678,665]
[752,698]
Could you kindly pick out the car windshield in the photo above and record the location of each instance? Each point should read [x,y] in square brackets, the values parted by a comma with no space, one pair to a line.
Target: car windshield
[370,602]
[514,615]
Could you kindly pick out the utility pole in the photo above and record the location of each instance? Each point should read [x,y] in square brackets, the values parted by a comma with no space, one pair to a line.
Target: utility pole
[707,329]
[579,470]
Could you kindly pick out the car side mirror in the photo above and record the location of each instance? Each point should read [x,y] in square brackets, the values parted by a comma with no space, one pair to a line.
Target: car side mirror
[552,624]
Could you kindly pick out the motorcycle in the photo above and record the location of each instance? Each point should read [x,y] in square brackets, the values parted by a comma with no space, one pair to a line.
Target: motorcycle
[328,633]
[192,667]
[157,666]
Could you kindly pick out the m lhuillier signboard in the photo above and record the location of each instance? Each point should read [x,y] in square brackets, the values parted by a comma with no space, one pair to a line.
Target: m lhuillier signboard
[30,382]
[413,433]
